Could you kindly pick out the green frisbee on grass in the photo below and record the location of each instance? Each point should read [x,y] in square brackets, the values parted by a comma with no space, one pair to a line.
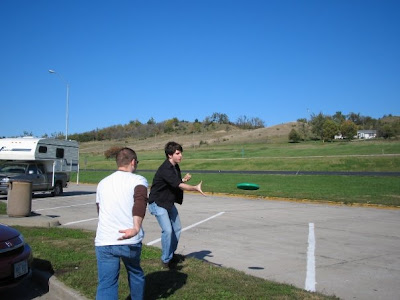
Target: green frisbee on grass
[248,186]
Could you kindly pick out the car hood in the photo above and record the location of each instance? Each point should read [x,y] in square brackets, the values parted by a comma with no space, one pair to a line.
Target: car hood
[8,174]
[7,233]
[11,176]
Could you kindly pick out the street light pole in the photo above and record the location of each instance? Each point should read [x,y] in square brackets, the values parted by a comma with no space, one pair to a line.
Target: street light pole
[67,103]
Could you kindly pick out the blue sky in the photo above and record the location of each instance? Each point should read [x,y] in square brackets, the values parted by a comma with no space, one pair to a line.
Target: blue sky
[135,60]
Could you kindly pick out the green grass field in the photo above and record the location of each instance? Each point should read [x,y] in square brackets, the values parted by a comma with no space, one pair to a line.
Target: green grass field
[339,189]
[376,156]
[310,156]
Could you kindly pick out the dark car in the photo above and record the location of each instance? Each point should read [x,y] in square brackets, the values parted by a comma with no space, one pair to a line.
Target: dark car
[15,257]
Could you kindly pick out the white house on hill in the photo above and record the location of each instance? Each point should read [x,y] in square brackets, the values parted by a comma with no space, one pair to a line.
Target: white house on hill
[361,134]
[366,134]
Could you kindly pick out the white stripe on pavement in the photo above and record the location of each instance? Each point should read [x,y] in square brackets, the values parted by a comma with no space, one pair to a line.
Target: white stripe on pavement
[64,197]
[81,221]
[310,278]
[186,228]
[91,203]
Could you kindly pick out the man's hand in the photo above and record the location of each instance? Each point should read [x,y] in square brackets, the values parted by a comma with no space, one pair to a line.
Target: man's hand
[192,188]
[198,188]
[128,233]
[187,177]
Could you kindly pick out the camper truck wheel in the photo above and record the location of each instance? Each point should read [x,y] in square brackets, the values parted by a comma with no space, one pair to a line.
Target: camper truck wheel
[58,190]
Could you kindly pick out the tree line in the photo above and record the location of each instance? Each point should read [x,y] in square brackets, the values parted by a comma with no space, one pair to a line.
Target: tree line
[318,127]
[136,129]
[326,127]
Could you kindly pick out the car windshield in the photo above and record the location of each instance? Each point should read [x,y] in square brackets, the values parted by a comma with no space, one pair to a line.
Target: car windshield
[13,168]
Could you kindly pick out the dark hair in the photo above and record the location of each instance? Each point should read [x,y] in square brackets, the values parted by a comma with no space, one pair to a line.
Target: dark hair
[125,156]
[171,147]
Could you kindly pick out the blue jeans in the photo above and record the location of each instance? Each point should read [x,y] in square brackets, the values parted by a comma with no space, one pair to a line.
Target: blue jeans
[170,229]
[108,266]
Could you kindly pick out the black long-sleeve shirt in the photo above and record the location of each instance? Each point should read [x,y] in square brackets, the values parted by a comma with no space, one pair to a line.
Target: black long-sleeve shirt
[165,189]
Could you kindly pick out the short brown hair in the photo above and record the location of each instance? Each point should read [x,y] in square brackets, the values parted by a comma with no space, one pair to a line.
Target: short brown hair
[125,156]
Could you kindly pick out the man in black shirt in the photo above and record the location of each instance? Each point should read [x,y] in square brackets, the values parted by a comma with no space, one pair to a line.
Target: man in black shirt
[166,190]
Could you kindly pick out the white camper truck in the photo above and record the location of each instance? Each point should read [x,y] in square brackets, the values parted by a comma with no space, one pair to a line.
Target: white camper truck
[45,162]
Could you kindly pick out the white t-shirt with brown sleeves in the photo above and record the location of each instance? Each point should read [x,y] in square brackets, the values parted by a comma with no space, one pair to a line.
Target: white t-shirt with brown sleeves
[115,196]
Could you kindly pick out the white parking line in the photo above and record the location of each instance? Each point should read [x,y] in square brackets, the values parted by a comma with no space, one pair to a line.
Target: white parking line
[186,228]
[310,278]
[81,221]
[58,207]
[60,197]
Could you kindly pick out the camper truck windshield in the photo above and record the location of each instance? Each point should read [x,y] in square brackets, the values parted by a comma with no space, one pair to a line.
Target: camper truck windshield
[14,168]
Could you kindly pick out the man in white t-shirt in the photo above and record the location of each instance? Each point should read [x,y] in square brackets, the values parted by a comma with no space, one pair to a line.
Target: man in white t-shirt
[121,201]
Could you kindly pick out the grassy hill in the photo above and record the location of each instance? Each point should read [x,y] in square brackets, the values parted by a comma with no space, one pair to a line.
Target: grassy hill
[221,134]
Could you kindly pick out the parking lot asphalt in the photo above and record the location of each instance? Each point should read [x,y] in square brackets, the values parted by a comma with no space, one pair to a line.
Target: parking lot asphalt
[350,252]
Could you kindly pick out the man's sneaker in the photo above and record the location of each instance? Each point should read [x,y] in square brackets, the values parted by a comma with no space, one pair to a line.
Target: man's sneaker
[168,266]
[164,265]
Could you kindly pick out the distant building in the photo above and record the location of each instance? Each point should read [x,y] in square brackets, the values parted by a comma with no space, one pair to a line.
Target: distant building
[366,134]
[361,134]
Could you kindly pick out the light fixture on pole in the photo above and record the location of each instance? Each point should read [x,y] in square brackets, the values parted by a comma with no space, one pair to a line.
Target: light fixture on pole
[67,105]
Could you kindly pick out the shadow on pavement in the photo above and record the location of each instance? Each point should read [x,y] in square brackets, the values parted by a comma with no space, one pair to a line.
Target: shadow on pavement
[202,256]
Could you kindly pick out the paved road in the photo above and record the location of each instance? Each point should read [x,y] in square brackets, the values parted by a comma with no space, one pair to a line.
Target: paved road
[352,252]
